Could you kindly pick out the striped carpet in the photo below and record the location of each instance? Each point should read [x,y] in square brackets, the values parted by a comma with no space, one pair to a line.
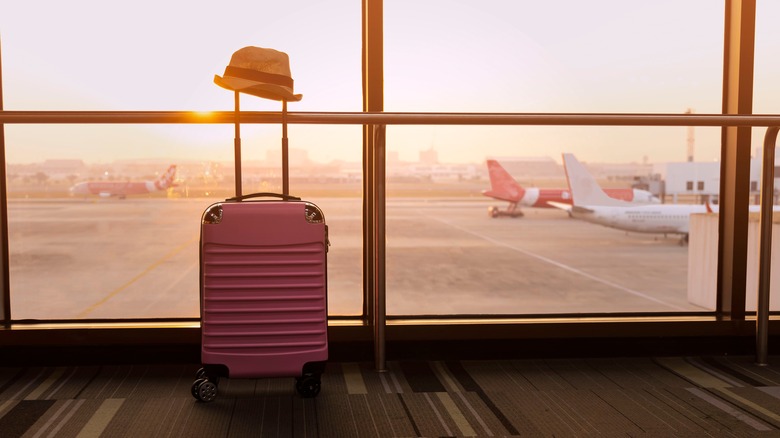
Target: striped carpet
[675,396]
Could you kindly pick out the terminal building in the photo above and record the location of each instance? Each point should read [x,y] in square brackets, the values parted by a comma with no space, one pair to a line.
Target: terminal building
[437,320]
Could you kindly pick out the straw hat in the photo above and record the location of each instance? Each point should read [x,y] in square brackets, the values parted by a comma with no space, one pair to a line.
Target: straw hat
[260,72]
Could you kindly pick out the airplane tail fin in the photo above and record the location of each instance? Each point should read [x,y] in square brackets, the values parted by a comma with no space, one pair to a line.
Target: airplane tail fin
[584,188]
[502,185]
[166,180]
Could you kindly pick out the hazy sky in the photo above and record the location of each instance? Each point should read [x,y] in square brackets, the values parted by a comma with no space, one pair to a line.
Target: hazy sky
[440,55]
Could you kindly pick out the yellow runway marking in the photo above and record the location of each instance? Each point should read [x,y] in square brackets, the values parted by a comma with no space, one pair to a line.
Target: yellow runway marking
[149,269]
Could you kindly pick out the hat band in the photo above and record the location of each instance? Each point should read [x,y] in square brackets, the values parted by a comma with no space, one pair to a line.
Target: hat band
[258,76]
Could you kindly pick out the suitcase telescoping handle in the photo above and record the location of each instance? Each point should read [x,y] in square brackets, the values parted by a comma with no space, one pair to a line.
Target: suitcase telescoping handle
[264,195]
[237,150]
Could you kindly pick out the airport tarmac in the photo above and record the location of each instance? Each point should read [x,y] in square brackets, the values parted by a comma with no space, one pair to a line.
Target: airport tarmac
[138,258]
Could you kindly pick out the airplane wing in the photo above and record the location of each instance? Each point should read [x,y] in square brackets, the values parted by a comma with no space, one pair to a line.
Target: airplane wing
[569,208]
[560,205]
[578,209]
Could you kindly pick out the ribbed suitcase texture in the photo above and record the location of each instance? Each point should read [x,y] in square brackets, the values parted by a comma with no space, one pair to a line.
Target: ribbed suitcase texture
[264,288]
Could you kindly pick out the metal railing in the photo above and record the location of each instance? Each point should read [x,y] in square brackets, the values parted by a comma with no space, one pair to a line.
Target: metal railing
[765,244]
[376,232]
[386,118]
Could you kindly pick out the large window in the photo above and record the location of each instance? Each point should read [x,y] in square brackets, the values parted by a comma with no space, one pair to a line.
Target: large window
[450,248]
[446,253]
[107,254]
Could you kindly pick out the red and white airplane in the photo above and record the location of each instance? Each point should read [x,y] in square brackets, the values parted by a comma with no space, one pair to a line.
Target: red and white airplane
[124,188]
[505,188]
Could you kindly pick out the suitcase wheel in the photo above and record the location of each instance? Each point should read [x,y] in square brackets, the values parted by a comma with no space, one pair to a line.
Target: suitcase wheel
[204,390]
[308,385]
[202,374]
[195,385]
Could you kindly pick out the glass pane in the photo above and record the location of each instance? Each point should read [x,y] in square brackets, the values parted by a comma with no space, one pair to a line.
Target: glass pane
[766,89]
[553,56]
[446,254]
[766,100]
[113,239]
[326,169]
[91,55]
[99,237]
[103,257]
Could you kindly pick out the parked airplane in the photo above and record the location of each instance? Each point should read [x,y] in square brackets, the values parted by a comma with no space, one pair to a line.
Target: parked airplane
[505,188]
[122,188]
[591,204]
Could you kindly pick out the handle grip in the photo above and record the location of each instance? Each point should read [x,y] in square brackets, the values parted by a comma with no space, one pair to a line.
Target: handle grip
[264,195]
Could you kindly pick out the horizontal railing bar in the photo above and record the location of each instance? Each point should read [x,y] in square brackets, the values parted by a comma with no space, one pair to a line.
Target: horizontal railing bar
[385,118]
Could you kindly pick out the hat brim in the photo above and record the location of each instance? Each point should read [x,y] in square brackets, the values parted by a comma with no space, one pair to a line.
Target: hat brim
[259,89]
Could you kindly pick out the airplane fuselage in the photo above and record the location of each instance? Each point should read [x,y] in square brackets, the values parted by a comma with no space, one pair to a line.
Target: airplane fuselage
[124,188]
[543,198]
[667,219]
[504,187]
[114,188]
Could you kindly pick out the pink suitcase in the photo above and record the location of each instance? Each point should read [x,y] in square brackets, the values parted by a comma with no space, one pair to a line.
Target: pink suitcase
[263,292]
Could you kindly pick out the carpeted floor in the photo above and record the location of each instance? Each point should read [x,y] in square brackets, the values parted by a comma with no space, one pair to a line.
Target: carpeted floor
[675,396]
